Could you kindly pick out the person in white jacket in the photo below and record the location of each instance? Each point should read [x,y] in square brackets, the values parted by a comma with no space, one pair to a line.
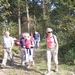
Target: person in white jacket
[7,44]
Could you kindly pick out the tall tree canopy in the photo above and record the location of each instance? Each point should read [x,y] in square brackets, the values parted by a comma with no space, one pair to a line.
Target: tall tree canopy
[57,14]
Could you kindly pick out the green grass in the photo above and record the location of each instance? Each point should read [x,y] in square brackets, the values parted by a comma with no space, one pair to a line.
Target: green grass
[16,49]
[40,64]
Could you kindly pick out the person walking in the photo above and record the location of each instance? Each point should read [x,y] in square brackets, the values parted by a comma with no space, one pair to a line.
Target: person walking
[22,47]
[29,56]
[7,45]
[32,43]
[52,50]
[36,39]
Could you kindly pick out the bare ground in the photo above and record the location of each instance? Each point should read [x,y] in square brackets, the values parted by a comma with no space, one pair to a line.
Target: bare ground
[38,69]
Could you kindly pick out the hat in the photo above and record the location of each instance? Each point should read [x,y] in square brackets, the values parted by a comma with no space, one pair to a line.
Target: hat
[49,30]
[27,34]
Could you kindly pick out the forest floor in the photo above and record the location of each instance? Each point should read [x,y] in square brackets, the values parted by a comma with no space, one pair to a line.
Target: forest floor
[38,69]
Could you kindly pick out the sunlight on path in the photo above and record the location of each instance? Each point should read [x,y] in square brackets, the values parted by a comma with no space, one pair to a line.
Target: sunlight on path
[38,69]
[2,73]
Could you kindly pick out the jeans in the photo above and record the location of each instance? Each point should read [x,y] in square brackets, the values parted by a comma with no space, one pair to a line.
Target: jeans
[23,55]
[36,43]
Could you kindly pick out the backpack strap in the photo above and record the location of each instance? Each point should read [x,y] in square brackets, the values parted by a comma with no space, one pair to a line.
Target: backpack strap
[54,38]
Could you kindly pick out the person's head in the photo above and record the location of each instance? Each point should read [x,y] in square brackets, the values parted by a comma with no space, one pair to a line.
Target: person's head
[36,32]
[23,34]
[49,31]
[7,33]
[27,36]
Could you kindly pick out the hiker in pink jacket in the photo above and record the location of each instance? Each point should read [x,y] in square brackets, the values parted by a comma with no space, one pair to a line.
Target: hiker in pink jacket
[52,50]
[29,54]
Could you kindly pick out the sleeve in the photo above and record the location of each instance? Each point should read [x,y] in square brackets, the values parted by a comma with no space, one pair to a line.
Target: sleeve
[12,41]
[39,37]
[24,42]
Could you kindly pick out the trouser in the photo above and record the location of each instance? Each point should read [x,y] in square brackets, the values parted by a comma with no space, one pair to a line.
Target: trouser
[32,52]
[23,54]
[6,53]
[50,54]
[36,43]
[29,56]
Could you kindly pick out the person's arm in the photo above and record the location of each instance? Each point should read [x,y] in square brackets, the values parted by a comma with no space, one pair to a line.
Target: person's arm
[12,42]
[39,37]
[24,43]
[56,42]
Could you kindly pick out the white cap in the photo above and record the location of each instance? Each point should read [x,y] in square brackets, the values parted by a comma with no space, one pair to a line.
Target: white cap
[27,34]
[49,30]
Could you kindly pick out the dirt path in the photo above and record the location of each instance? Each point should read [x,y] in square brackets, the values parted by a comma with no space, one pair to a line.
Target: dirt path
[38,69]
[2,73]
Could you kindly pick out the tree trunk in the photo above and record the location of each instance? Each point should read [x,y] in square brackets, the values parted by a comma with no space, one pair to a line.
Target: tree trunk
[27,15]
[34,15]
[19,20]
[43,16]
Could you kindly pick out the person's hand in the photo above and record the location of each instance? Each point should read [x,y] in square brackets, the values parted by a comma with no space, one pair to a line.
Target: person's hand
[31,46]
[23,46]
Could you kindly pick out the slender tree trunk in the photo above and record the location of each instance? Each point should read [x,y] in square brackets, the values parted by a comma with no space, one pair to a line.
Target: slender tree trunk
[34,15]
[19,20]
[27,15]
[43,16]
[34,23]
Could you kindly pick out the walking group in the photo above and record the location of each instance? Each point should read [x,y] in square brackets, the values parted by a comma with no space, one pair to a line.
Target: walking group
[29,42]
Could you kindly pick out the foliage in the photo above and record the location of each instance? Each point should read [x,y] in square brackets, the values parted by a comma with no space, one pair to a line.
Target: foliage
[60,18]
[16,49]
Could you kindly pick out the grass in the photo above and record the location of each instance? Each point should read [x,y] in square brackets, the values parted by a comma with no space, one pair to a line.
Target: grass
[40,64]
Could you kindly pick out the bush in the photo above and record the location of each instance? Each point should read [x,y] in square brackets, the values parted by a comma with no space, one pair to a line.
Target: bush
[69,56]
[67,50]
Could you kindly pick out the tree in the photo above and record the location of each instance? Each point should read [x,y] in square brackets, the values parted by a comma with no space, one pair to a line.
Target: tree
[27,15]
[19,20]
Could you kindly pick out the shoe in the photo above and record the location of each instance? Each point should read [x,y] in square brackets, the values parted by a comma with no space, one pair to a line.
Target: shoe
[47,73]
[56,69]
[27,66]
[33,63]
[22,63]
[2,66]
